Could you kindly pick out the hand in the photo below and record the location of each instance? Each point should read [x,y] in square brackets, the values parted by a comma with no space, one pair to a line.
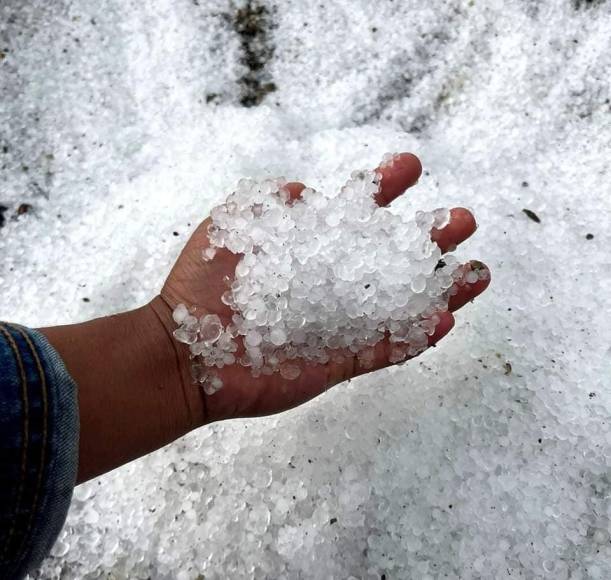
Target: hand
[134,381]
[200,283]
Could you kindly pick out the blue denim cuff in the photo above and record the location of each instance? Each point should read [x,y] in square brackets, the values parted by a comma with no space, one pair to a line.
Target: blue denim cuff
[39,434]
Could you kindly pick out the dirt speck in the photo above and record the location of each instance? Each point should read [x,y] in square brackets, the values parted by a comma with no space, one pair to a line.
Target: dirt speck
[532,215]
[24,208]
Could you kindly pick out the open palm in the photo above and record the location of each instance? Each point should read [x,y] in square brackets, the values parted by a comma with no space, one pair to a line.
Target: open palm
[200,283]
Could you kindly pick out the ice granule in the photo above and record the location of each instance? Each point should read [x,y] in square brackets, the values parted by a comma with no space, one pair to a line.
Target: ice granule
[306,284]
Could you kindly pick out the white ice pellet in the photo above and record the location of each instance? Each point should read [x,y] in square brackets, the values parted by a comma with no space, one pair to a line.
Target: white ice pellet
[180,313]
[211,384]
[441,218]
[277,336]
[208,254]
[210,328]
[471,277]
[184,335]
[289,371]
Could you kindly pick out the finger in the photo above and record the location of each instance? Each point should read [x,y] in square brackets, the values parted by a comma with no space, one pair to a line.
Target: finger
[351,366]
[460,227]
[467,287]
[383,350]
[446,323]
[402,172]
[294,188]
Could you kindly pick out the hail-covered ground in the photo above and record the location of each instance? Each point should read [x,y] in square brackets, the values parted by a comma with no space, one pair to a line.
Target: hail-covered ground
[123,123]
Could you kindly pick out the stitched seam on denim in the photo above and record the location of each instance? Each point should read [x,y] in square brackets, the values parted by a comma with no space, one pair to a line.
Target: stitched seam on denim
[25,442]
[43,453]
[60,472]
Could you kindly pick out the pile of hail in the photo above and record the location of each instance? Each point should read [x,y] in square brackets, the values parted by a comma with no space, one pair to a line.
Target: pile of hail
[326,275]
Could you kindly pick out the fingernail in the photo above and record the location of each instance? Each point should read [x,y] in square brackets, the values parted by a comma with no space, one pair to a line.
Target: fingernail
[479,268]
[476,265]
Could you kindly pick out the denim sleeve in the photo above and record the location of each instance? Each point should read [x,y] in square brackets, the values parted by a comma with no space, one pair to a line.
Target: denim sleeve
[39,434]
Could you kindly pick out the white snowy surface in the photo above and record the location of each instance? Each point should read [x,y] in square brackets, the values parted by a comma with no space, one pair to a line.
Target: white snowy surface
[489,456]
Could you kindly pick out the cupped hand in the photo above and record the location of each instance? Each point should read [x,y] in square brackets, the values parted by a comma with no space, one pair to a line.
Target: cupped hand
[200,284]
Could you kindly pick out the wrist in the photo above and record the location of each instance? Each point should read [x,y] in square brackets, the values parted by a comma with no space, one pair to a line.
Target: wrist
[133,394]
[157,317]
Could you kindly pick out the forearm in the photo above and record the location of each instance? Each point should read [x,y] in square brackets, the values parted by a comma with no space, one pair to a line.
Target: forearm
[132,393]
